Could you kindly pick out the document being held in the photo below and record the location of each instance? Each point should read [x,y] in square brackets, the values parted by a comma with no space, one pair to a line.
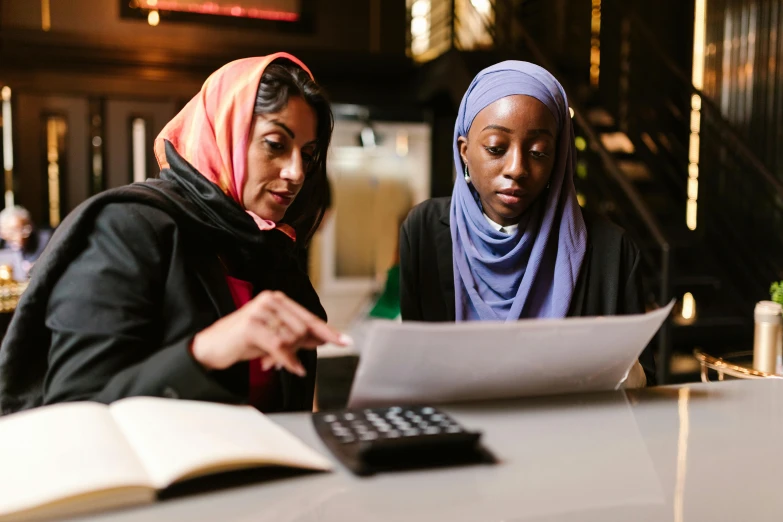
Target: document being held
[408,363]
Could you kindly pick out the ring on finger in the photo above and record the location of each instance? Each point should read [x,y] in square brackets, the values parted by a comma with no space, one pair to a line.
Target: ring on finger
[274,324]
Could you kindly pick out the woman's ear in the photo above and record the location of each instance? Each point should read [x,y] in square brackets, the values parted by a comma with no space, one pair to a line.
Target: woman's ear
[462,143]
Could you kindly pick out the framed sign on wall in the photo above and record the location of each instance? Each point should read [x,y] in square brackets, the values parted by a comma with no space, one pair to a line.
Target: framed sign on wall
[277,15]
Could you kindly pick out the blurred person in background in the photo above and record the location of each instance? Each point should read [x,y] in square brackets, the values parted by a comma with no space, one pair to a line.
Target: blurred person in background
[188,286]
[512,242]
[23,243]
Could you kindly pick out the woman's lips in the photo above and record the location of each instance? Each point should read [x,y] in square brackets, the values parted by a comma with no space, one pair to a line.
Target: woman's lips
[282,198]
[510,196]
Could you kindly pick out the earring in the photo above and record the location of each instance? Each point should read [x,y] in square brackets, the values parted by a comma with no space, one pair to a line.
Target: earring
[467,175]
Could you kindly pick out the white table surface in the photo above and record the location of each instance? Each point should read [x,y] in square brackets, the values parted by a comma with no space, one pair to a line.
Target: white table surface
[701,452]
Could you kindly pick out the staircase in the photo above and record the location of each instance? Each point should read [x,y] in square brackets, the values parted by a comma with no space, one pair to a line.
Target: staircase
[715,315]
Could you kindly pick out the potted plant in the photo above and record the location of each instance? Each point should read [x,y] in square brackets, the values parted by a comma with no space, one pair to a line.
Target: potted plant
[776,292]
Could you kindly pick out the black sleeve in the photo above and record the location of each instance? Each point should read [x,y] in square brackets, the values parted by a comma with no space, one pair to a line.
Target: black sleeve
[105,317]
[410,303]
[633,303]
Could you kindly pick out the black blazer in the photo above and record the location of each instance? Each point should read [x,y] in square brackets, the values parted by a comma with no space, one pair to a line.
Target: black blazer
[609,282]
[128,279]
[124,312]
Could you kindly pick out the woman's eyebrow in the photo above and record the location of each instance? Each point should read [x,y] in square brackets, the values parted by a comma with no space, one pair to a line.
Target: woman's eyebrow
[509,131]
[284,127]
[497,127]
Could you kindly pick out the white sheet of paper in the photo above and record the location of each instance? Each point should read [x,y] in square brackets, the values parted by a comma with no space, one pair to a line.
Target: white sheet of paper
[408,363]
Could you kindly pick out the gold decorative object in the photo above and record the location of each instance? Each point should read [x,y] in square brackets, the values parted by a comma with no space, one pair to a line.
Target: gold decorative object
[10,290]
[725,367]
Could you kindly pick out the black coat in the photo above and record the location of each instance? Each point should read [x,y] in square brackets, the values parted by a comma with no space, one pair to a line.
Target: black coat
[127,280]
[609,282]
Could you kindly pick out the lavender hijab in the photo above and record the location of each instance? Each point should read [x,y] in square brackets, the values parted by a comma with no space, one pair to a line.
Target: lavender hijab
[530,274]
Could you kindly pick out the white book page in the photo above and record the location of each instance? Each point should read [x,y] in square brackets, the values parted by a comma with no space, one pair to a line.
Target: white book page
[177,439]
[413,362]
[57,452]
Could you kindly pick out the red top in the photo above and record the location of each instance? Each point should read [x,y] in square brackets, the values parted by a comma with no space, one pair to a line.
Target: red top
[263,384]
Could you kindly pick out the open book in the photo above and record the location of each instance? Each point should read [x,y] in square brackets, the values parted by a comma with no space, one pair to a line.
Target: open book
[74,458]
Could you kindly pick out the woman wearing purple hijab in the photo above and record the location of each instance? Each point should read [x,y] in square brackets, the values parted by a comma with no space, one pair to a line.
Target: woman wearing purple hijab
[511,242]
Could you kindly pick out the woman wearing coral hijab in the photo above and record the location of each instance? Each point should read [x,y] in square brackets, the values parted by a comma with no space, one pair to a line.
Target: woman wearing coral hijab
[187,286]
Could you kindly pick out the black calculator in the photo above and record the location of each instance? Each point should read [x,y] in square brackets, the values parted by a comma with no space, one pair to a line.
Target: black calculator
[384,439]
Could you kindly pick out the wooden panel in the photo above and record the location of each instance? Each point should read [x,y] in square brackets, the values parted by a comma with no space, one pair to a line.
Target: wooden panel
[119,114]
[30,167]
[744,71]
[86,65]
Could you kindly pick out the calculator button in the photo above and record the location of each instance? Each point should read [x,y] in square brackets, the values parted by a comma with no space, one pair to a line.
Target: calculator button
[393,434]
[330,418]
[368,436]
[453,429]
[395,409]
[349,416]
[410,433]
[432,431]
[437,417]
[428,411]
[347,439]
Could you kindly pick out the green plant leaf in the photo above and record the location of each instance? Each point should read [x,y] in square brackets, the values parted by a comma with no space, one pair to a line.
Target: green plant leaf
[776,292]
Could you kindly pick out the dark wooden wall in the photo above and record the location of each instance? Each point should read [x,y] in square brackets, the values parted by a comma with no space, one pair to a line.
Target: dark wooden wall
[94,60]
[744,72]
